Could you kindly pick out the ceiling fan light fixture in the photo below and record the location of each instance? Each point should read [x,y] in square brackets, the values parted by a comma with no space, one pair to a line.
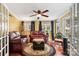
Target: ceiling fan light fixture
[39,15]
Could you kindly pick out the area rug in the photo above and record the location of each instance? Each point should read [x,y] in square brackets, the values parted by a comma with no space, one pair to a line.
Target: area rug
[46,52]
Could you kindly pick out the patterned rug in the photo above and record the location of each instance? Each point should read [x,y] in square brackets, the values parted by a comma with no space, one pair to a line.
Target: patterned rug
[46,52]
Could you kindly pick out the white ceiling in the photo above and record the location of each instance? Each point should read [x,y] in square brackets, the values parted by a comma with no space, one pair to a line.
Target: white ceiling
[24,10]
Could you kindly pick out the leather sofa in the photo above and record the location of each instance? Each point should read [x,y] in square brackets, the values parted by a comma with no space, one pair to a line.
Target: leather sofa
[38,34]
[15,41]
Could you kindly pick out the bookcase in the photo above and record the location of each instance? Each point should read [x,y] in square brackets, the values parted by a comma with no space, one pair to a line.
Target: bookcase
[4,41]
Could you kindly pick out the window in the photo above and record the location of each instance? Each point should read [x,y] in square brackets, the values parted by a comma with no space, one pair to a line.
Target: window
[27,25]
[4,31]
[46,26]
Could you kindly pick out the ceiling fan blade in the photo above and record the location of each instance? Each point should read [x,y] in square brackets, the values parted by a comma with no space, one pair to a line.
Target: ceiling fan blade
[45,15]
[45,11]
[33,15]
[34,11]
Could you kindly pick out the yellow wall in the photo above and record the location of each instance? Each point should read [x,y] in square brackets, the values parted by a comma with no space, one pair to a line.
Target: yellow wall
[14,24]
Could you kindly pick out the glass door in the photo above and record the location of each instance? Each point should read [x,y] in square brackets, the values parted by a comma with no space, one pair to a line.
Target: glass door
[4,41]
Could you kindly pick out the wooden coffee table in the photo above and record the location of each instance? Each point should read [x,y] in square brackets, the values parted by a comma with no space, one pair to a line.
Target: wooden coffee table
[28,51]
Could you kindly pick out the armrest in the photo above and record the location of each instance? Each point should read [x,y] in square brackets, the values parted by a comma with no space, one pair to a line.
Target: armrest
[15,41]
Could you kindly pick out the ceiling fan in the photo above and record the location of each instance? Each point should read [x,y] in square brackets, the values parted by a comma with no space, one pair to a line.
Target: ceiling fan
[40,13]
